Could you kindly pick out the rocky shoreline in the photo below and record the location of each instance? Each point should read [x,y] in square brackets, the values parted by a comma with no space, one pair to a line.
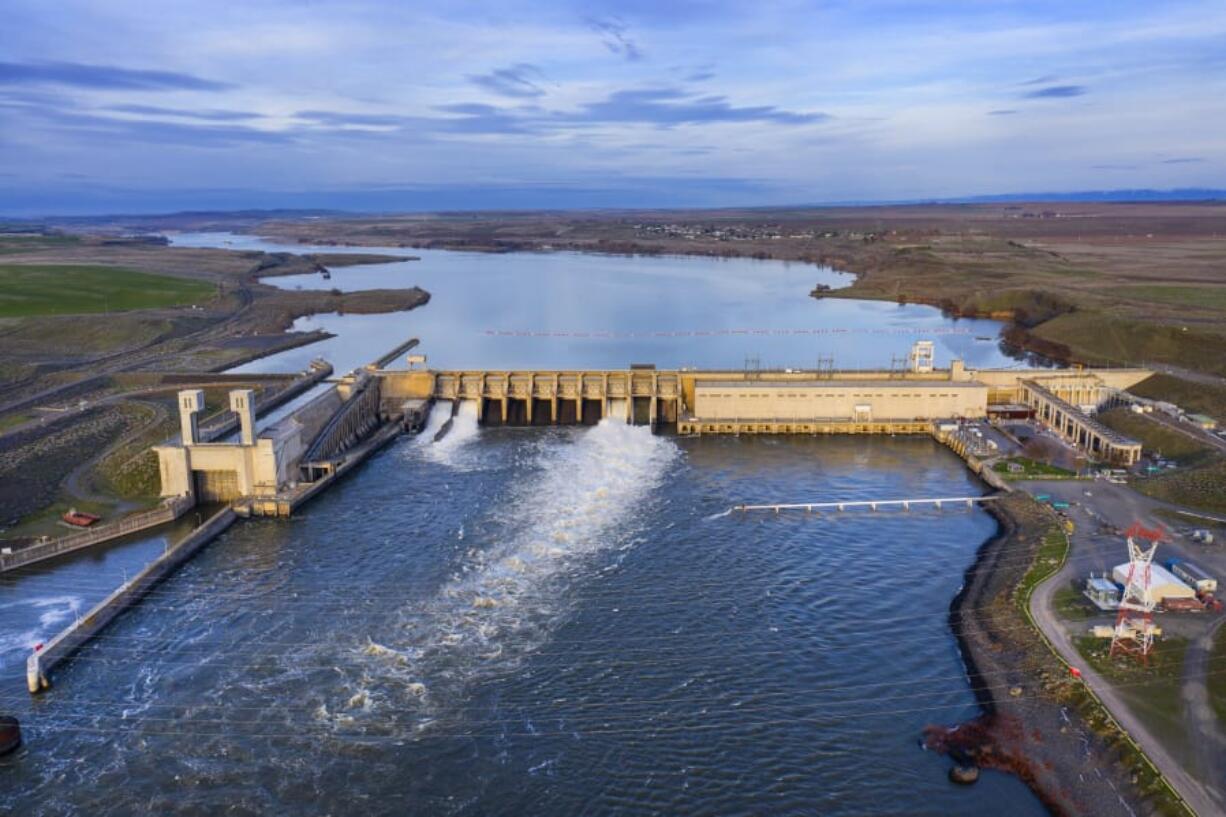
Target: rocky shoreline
[1031,723]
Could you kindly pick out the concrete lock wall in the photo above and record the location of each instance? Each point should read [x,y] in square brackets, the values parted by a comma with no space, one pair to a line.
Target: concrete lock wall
[40,664]
[175,470]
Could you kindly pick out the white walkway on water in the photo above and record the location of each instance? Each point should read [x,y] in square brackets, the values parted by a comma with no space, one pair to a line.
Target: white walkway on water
[872,504]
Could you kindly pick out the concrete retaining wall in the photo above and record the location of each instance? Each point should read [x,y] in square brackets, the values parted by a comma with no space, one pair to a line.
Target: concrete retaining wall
[170,510]
[60,648]
[229,422]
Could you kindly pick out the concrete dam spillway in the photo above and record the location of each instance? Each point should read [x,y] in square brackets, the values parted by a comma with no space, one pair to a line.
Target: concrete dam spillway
[697,402]
[290,461]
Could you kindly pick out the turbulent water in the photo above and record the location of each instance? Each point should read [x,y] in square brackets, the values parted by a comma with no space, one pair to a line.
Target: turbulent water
[538,622]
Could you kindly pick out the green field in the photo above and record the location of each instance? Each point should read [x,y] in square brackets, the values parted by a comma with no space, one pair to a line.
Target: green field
[1031,469]
[1200,487]
[1214,296]
[1216,678]
[1204,398]
[1156,437]
[1153,689]
[11,243]
[74,289]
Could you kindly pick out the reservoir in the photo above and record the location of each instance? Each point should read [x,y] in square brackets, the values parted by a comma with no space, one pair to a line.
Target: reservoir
[565,309]
[543,621]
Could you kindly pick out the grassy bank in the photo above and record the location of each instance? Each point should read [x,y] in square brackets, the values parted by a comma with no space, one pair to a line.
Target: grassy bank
[1153,690]
[1216,679]
[1042,724]
[1200,398]
[1034,521]
[1200,481]
[1201,487]
[1156,437]
[68,289]
[1031,469]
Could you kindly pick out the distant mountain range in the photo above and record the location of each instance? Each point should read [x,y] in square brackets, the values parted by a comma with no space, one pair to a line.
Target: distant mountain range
[1180,194]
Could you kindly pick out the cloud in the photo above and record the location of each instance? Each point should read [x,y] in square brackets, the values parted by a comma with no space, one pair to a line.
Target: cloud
[1002,112]
[671,106]
[156,132]
[665,107]
[1183,160]
[613,35]
[1043,80]
[1057,92]
[465,117]
[342,119]
[1113,167]
[476,118]
[207,115]
[700,76]
[103,77]
[519,80]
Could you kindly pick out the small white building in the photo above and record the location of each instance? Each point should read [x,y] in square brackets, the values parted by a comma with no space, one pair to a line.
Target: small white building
[1103,592]
[1163,584]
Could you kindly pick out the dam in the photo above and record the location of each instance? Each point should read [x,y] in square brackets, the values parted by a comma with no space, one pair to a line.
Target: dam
[435,599]
[272,472]
[902,400]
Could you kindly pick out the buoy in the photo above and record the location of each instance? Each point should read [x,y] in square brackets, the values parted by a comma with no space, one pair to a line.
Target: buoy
[10,734]
[964,775]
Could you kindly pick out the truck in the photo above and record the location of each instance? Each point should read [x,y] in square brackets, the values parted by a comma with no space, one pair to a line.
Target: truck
[1195,575]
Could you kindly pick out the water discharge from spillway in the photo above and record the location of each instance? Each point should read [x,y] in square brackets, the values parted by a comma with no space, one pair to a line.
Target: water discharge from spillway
[449,450]
[510,592]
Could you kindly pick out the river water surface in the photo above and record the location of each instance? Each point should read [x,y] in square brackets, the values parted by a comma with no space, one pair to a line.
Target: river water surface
[538,621]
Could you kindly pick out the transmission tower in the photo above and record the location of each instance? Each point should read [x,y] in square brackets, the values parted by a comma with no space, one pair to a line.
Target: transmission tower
[1134,625]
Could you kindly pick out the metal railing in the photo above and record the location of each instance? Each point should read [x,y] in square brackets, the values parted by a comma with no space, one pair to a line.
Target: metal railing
[168,511]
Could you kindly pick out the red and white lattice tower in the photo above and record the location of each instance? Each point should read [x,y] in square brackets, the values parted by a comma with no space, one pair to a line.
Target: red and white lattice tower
[1134,626]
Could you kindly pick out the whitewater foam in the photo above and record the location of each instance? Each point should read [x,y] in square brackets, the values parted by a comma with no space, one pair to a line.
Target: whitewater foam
[451,450]
[507,598]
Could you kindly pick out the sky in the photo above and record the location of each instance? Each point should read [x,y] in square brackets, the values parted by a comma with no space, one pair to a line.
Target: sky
[132,106]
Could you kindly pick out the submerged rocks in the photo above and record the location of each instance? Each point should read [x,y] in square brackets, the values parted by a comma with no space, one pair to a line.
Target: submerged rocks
[10,734]
[964,775]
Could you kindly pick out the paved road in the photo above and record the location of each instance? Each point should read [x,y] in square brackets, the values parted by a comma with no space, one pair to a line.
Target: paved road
[1201,720]
[1199,434]
[1118,506]
[1187,374]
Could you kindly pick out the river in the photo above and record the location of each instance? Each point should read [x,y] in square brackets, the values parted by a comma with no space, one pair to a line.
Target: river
[544,621]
